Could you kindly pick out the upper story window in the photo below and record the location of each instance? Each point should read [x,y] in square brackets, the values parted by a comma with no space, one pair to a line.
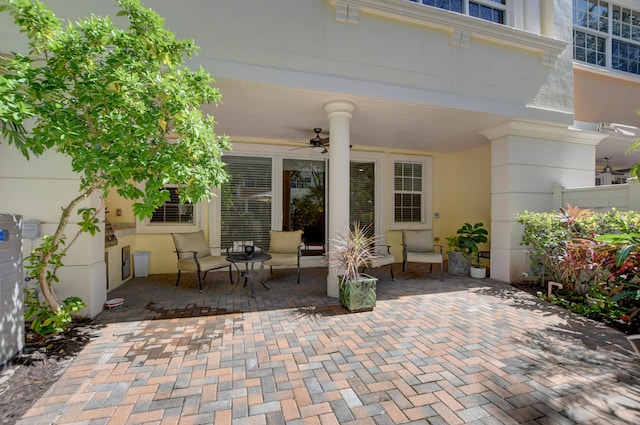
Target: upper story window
[489,10]
[606,34]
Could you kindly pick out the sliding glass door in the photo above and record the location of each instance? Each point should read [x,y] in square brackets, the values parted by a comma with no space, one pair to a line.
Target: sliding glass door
[303,201]
[248,205]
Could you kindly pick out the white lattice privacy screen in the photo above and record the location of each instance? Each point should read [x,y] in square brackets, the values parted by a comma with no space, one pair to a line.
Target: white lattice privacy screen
[11,297]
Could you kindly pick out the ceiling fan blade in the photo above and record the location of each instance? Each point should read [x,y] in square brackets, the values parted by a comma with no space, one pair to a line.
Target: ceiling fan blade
[301,147]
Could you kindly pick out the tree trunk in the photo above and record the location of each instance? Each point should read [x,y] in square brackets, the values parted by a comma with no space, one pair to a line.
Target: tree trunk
[44,278]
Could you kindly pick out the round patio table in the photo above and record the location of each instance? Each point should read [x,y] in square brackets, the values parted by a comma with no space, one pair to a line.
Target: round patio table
[249,261]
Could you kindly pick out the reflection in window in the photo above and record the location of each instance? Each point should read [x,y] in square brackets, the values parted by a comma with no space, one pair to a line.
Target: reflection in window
[488,10]
[303,202]
[606,34]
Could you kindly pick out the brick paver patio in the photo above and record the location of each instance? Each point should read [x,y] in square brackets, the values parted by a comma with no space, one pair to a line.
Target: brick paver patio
[458,351]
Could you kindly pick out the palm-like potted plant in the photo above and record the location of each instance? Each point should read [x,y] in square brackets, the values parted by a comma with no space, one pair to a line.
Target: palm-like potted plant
[354,252]
[463,246]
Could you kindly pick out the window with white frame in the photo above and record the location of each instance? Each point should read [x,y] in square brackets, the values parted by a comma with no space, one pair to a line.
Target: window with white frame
[173,211]
[411,194]
[173,216]
[607,35]
[488,10]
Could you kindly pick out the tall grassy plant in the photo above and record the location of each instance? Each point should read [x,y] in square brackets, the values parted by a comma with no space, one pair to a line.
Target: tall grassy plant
[353,251]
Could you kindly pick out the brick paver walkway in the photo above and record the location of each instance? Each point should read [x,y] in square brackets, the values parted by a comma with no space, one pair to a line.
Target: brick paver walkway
[458,351]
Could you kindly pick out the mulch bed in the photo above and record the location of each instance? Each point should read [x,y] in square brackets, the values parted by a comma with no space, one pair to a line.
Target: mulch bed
[40,364]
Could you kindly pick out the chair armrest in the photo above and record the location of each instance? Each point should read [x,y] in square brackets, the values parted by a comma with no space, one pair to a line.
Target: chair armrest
[386,246]
[440,246]
[195,253]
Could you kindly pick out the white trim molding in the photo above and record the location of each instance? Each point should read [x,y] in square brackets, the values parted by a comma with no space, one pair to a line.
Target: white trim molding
[461,28]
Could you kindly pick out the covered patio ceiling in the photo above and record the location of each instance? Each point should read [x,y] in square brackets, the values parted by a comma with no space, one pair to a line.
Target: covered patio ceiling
[285,114]
[253,111]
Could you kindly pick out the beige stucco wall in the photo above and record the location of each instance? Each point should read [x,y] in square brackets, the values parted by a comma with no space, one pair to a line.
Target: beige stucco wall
[470,195]
[461,193]
[601,97]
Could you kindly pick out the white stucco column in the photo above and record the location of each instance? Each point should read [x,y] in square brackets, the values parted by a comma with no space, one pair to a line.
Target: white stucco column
[527,160]
[339,114]
[547,21]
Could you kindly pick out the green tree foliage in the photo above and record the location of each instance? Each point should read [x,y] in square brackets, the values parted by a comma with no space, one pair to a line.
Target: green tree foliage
[107,98]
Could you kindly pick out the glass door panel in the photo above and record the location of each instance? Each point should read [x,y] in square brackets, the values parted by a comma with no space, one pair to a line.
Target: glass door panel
[362,197]
[303,202]
[246,201]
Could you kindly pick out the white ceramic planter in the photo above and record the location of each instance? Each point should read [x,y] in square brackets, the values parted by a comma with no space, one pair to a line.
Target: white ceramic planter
[478,272]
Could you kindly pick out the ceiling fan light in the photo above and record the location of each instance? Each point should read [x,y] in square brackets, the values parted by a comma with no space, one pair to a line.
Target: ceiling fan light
[607,169]
[318,149]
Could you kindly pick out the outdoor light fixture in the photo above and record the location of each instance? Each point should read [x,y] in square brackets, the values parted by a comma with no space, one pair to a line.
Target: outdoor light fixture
[618,129]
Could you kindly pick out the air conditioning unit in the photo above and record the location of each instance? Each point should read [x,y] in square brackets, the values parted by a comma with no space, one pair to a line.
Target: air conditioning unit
[11,296]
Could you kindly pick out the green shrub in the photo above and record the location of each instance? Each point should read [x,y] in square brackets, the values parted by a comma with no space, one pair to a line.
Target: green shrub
[589,253]
[47,322]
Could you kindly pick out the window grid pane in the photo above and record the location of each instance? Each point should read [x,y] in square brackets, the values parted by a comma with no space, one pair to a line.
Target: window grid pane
[625,57]
[611,24]
[589,48]
[408,200]
[489,10]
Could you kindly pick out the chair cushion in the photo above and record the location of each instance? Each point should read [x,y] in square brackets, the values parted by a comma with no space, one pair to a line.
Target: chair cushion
[424,257]
[282,259]
[284,242]
[206,263]
[418,240]
[194,241]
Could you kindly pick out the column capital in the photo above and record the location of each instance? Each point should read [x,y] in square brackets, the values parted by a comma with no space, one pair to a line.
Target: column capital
[339,106]
[543,131]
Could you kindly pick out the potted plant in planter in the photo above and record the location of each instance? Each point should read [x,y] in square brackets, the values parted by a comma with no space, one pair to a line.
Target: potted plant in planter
[463,246]
[478,271]
[351,253]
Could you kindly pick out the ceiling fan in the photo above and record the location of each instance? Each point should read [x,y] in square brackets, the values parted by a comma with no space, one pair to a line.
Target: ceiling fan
[317,143]
[608,169]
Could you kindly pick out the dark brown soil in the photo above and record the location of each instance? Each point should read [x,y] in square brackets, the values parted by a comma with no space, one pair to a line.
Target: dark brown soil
[40,364]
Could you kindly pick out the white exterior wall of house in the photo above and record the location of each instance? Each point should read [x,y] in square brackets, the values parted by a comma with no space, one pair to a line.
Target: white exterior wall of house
[38,189]
[390,51]
[527,160]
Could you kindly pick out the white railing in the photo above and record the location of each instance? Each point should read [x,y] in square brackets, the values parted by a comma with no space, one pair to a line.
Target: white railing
[623,197]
